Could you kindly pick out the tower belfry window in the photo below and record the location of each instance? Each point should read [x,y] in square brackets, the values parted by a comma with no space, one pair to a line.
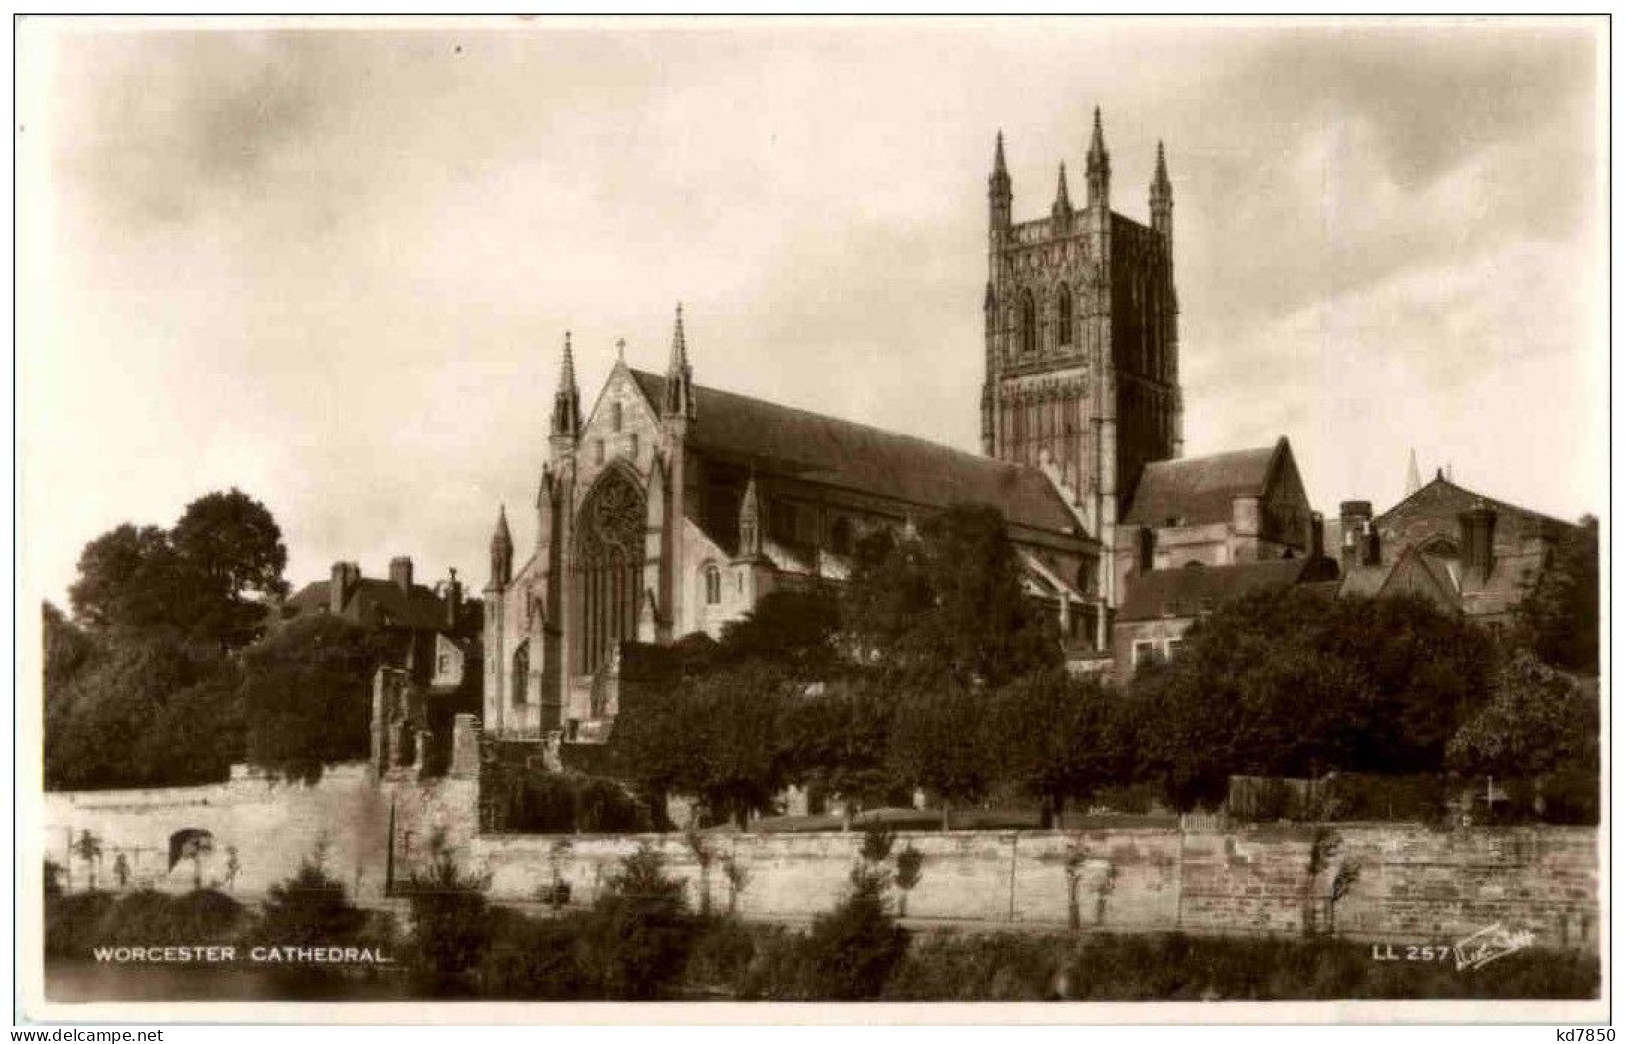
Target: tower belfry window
[1028,321]
[1063,316]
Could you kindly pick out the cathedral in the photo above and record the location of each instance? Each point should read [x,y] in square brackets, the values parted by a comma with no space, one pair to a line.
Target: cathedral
[672,507]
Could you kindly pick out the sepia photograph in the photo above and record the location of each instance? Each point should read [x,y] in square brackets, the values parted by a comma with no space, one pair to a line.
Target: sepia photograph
[1087,519]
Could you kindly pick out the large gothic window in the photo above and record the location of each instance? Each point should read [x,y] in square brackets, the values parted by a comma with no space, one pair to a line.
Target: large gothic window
[608,569]
[1027,322]
[1063,316]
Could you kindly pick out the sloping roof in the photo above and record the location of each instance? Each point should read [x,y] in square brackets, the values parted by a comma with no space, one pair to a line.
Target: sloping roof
[1199,490]
[810,446]
[1189,590]
[1442,495]
[378,602]
[1413,571]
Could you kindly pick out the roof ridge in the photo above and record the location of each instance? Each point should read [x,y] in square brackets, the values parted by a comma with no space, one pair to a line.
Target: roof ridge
[1007,464]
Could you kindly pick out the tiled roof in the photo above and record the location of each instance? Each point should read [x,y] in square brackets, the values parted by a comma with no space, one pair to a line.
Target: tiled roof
[1189,590]
[1199,490]
[378,602]
[833,452]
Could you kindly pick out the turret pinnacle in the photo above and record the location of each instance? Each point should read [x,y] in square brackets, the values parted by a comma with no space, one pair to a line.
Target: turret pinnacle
[1099,168]
[679,376]
[1159,182]
[998,154]
[1061,198]
[998,189]
[502,538]
[501,551]
[566,398]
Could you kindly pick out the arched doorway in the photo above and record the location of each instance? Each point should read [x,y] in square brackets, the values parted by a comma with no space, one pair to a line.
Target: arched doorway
[608,569]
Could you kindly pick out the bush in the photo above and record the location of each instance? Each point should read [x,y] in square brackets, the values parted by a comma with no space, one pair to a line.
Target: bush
[852,950]
[531,959]
[204,917]
[722,955]
[952,967]
[637,937]
[73,923]
[451,926]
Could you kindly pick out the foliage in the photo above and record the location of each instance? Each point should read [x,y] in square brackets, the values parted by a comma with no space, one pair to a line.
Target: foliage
[836,739]
[1558,615]
[144,917]
[173,706]
[1539,724]
[306,696]
[205,579]
[936,743]
[451,924]
[716,737]
[793,630]
[533,958]
[851,950]
[1289,683]
[637,938]
[1058,736]
[310,909]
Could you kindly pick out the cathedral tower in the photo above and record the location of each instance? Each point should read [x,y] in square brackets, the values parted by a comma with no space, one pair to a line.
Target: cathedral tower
[1081,337]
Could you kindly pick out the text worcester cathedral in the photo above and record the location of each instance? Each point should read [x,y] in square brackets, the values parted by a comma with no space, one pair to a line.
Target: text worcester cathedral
[675,506]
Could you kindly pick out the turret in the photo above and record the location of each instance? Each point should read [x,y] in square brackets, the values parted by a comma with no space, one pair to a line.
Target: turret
[1061,211]
[566,399]
[679,376]
[501,552]
[1100,167]
[998,190]
[1162,199]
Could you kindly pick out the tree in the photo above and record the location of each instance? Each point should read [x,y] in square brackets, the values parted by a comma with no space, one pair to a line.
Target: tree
[310,908]
[793,630]
[205,578]
[233,550]
[936,743]
[306,697]
[1539,724]
[173,707]
[1057,737]
[1558,616]
[835,738]
[89,848]
[1289,683]
[451,923]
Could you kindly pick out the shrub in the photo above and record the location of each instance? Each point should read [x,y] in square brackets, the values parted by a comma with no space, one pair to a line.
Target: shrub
[72,923]
[638,935]
[533,959]
[851,950]
[450,925]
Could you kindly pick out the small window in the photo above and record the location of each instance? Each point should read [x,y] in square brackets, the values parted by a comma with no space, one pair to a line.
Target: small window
[615,416]
[713,585]
[443,663]
[1146,652]
[840,536]
[1173,646]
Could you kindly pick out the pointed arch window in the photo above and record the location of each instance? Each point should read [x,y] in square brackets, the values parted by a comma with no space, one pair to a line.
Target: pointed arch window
[608,569]
[1063,316]
[521,675]
[713,585]
[615,416]
[1027,322]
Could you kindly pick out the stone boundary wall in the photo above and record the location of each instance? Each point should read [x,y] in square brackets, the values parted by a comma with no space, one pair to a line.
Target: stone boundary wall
[1413,883]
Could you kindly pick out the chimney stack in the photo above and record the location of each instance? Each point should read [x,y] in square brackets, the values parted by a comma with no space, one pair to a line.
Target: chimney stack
[345,577]
[1354,517]
[400,573]
[454,600]
[1478,540]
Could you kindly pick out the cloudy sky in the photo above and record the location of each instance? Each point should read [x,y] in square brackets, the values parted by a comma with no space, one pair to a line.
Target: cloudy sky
[335,268]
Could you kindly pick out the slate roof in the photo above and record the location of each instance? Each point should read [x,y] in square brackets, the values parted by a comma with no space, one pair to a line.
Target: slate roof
[833,452]
[1189,590]
[378,602]
[1199,490]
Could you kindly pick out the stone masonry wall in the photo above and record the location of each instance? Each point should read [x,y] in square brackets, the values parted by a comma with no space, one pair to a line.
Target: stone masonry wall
[1413,883]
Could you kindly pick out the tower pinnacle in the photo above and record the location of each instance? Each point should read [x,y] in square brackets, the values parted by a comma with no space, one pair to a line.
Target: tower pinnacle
[566,398]
[679,376]
[1162,198]
[998,189]
[1099,168]
[501,551]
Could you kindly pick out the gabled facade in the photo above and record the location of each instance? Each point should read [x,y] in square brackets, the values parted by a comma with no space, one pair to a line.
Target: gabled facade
[1479,554]
[672,508]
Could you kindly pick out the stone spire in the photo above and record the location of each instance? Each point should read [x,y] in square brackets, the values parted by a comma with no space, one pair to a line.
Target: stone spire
[501,551]
[1061,212]
[998,188]
[1099,169]
[566,398]
[1413,476]
[1162,198]
[679,376]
